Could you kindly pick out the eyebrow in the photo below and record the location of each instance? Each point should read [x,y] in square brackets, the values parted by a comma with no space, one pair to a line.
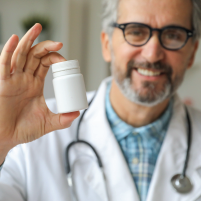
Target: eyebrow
[176,25]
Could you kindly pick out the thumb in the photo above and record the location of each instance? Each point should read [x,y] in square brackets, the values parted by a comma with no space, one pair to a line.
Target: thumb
[61,121]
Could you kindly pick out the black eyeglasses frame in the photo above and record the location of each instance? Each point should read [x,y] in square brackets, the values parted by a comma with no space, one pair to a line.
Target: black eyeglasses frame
[190,33]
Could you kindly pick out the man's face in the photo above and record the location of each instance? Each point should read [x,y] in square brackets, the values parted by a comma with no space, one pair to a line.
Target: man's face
[128,61]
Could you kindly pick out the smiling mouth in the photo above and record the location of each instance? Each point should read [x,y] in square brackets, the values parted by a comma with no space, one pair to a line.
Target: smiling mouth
[147,72]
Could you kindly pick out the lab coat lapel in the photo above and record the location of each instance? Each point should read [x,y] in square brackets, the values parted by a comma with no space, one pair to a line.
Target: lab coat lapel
[96,131]
[171,160]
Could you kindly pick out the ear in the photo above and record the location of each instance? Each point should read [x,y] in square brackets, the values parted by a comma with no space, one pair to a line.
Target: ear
[193,54]
[106,51]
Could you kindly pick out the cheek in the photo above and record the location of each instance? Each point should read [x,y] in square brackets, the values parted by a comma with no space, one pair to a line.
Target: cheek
[178,64]
[123,53]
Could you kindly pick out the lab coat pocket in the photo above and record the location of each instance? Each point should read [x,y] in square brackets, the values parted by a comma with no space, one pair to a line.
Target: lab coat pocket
[88,180]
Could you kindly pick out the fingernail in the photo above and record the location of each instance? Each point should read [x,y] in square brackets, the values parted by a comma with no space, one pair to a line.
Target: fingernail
[62,58]
[33,26]
[11,36]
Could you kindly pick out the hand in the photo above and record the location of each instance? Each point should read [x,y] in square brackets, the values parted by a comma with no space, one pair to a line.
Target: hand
[24,115]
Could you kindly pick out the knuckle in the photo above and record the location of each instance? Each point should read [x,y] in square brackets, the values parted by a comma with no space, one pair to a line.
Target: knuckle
[4,64]
[39,51]
[37,55]
[22,51]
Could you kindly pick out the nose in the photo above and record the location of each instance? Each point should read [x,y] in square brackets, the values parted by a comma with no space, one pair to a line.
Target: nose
[153,51]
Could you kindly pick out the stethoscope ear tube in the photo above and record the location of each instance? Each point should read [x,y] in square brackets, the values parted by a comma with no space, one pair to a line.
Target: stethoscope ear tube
[71,189]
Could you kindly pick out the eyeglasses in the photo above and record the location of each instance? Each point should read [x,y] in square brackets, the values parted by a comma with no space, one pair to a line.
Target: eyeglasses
[170,37]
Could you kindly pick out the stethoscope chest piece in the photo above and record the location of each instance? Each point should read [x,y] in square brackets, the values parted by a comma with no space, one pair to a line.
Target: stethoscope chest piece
[181,183]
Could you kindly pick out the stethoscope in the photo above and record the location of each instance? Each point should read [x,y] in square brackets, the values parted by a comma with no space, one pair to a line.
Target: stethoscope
[180,182]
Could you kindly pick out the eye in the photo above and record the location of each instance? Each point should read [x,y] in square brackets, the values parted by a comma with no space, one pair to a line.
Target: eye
[137,31]
[174,34]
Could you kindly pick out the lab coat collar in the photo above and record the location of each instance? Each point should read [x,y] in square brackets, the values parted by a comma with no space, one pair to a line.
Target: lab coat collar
[96,130]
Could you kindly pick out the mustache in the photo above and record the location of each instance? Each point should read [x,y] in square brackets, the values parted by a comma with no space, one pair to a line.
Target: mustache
[165,68]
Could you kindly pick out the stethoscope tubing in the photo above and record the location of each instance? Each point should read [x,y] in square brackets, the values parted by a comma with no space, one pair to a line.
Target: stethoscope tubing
[188,142]
[68,168]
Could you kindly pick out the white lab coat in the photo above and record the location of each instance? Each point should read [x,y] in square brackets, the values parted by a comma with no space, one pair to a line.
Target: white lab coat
[36,171]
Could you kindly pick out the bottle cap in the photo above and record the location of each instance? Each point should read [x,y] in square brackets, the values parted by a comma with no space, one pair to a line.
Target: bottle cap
[65,68]
[66,65]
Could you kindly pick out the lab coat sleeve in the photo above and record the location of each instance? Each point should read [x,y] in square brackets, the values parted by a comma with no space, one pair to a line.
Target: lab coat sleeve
[13,171]
[13,176]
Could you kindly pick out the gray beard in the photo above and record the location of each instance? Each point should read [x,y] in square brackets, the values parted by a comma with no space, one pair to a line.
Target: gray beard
[151,99]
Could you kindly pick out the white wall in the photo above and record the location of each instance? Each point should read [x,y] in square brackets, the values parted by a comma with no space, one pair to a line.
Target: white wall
[85,29]
[190,88]
[13,11]
[96,68]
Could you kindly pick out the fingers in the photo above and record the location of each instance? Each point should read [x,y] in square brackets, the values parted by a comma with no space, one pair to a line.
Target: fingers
[23,48]
[61,121]
[6,55]
[39,51]
[45,63]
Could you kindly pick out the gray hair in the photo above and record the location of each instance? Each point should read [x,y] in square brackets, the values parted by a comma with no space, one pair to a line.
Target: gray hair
[110,15]
[197,18]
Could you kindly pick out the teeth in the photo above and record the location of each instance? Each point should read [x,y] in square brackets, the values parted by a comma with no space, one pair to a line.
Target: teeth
[147,72]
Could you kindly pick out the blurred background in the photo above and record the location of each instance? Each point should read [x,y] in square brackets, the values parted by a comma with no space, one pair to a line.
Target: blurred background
[77,24]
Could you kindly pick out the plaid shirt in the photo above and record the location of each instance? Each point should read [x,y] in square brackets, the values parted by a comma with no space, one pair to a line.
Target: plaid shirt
[140,146]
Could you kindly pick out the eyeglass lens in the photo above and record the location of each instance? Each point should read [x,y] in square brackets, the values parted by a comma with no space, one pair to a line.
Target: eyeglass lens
[171,38]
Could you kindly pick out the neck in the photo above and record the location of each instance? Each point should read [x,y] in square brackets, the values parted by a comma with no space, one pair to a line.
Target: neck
[132,113]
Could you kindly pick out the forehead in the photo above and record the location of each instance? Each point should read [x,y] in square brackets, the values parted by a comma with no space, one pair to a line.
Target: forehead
[156,13]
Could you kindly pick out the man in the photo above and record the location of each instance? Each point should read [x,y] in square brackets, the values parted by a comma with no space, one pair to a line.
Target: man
[136,123]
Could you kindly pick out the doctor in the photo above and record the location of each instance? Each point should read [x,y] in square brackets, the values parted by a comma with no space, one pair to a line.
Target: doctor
[136,122]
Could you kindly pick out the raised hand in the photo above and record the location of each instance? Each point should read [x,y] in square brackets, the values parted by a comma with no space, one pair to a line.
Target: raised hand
[24,115]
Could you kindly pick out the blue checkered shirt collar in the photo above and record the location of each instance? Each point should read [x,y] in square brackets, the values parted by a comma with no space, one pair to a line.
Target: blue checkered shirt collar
[121,129]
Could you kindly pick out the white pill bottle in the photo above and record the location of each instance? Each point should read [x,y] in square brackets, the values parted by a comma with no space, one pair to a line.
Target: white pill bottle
[69,87]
